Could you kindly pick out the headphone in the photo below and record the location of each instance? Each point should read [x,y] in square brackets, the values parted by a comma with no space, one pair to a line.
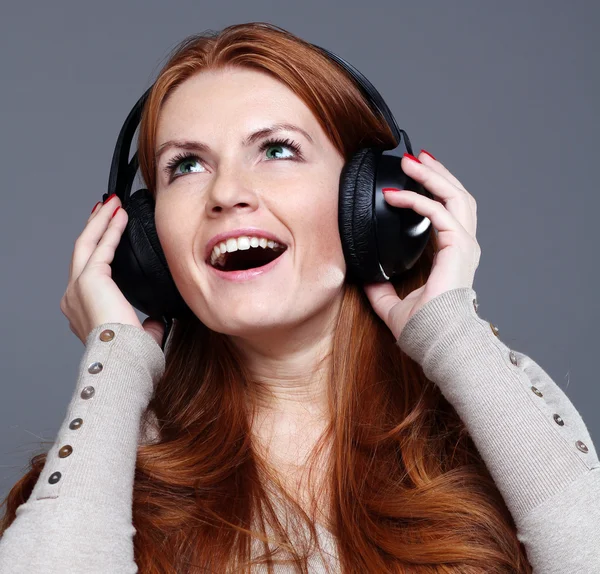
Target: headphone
[379,241]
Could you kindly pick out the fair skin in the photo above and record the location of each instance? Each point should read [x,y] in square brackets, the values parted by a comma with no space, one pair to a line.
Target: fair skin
[282,321]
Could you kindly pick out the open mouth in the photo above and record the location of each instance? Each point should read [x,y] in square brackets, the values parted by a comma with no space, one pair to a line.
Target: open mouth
[245,253]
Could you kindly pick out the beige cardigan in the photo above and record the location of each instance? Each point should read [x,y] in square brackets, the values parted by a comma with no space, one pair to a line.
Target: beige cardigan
[78,518]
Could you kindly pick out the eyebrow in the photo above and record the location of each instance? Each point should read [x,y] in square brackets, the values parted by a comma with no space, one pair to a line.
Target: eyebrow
[249,140]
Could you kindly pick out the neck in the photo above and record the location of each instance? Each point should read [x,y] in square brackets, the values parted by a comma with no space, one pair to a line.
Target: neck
[289,367]
[289,385]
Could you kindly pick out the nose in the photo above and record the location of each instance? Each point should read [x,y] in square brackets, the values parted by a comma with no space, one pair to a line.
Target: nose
[228,192]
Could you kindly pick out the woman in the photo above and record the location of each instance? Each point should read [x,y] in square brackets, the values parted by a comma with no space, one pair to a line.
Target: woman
[296,418]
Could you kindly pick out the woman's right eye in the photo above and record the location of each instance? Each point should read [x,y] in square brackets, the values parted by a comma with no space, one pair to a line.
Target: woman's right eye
[182,164]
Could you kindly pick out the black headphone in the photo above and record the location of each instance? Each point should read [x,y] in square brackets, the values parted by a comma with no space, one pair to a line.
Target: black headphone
[378,241]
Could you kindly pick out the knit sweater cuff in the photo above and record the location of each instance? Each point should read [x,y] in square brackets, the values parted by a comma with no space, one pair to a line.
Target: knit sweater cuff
[507,402]
[94,455]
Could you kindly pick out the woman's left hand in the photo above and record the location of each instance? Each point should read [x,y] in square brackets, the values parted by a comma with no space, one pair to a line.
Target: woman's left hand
[453,213]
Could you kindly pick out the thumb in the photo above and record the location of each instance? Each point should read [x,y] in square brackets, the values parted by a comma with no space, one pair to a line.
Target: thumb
[155,328]
[382,297]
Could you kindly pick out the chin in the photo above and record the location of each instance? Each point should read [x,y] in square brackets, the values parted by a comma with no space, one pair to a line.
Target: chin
[248,320]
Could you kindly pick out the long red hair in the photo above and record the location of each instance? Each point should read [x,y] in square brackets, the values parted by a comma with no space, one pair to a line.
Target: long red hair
[407,489]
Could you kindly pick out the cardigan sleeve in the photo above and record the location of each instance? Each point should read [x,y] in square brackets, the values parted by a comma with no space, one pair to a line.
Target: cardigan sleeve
[78,517]
[530,436]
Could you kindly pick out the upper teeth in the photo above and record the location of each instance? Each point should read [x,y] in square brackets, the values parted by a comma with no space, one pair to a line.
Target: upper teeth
[243,242]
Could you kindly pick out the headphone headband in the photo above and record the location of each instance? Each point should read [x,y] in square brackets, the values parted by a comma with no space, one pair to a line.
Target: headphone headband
[373,96]
[379,241]
[123,170]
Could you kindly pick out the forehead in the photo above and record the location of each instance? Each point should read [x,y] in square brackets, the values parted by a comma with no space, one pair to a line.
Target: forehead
[230,98]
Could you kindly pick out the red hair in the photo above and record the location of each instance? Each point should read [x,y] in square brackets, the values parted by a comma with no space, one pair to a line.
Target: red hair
[408,491]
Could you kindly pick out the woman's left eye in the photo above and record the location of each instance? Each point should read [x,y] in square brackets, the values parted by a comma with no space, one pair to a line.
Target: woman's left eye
[275,148]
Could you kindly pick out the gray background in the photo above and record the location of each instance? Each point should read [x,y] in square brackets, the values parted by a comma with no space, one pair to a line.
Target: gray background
[505,94]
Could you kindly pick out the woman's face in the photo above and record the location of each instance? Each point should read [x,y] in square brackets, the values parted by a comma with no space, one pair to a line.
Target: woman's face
[238,185]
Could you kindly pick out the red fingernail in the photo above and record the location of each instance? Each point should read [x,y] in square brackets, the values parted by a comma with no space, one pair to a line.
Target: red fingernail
[115,211]
[385,189]
[99,203]
[110,197]
[411,157]
[425,151]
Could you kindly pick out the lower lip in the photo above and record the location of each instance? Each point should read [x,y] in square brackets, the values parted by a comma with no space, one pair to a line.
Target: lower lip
[246,274]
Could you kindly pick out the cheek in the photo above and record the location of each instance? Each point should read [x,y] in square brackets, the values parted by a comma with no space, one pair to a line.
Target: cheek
[175,227]
[163,216]
[319,231]
[330,270]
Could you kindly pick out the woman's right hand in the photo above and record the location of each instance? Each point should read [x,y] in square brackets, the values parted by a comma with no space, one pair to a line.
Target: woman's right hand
[92,297]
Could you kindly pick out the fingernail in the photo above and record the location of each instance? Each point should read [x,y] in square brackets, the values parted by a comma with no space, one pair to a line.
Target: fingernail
[110,197]
[115,211]
[425,151]
[99,203]
[409,156]
[386,189]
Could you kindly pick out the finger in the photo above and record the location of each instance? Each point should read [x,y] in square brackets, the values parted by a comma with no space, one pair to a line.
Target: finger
[104,252]
[97,208]
[435,182]
[438,166]
[441,218]
[90,236]
[382,297]
[455,200]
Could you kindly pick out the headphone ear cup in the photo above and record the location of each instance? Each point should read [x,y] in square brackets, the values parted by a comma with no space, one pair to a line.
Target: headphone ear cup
[356,216]
[140,268]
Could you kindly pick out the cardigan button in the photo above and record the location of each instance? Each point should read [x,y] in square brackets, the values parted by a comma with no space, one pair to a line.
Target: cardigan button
[107,335]
[581,446]
[475,305]
[87,392]
[65,451]
[495,329]
[75,424]
[537,392]
[54,477]
[95,368]
[558,420]
[513,357]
